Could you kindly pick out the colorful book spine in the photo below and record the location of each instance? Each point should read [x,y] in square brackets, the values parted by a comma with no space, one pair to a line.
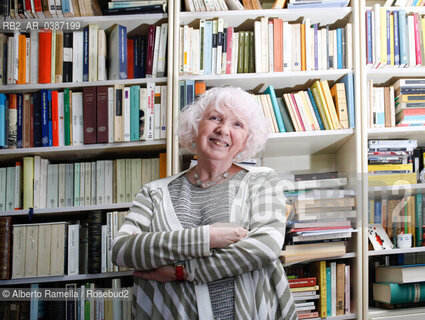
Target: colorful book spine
[403,38]
[278,115]
[19,139]
[316,110]
[418,220]
[86,54]
[396,38]
[44,118]
[3,110]
[49,122]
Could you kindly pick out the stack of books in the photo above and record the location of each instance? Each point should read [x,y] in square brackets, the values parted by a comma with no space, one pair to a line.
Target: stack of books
[390,162]
[402,104]
[399,286]
[304,291]
[321,224]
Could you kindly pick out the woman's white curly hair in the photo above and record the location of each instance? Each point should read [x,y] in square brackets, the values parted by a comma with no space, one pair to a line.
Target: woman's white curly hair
[240,102]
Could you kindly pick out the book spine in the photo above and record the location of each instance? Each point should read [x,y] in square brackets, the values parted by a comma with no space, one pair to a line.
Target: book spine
[86,54]
[89,115]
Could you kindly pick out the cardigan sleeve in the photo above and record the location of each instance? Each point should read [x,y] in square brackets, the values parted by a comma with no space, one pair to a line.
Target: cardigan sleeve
[136,247]
[264,242]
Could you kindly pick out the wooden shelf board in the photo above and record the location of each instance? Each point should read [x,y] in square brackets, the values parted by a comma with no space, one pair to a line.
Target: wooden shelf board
[73,85]
[395,251]
[86,151]
[66,278]
[237,17]
[260,81]
[306,143]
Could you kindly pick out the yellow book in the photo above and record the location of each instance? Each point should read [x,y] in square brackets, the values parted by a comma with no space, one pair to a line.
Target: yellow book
[28,182]
[392,38]
[303,52]
[340,100]
[383,19]
[411,215]
[391,179]
[406,98]
[22,65]
[319,269]
[319,97]
[389,167]
[301,289]
[59,57]
[330,104]
[311,116]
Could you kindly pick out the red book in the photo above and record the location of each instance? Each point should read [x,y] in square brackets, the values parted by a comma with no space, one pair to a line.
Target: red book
[44,56]
[302,282]
[151,44]
[89,115]
[416,29]
[55,118]
[229,50]
[130,58]
[294,102]
[26,127]
[277,45]
[307,315]
[102,114]
[413,112]
[5,247]
[28,7]
[38,9]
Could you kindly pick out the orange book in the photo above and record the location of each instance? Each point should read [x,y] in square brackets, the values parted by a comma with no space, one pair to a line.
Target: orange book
[22,59]
[44,56]
[330,104]
[303,62]
[200,88]
[162,165]
[55,119]
[277,45]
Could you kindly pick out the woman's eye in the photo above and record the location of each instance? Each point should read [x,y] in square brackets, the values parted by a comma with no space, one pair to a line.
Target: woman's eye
[214,118]
[239,124]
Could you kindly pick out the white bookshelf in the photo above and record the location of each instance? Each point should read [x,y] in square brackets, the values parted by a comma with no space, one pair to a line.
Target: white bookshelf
[396,251]
[415,133]
[397,190]
[397,314]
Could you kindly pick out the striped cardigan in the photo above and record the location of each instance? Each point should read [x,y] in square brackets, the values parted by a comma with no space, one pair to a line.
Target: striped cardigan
[152,236]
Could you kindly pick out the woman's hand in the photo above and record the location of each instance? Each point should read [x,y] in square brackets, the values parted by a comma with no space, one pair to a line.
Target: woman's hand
[224,234]
[162,274]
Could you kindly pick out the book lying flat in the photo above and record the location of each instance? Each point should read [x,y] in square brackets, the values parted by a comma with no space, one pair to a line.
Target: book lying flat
[393,293]
[401,274]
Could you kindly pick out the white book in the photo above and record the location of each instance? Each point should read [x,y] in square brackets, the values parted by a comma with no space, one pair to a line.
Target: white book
[163,134]
[220,30]
[37,177]
[53,58]
[110,114]
[104,253]
[100,181]
[87,183]
[109,221]
[157,113]
[214,49]
[156,50]
[270,49]
[93,52]
[308,41]
[377,34]
[93,194]
[57,254]
[162,54]
[18,252]
[189,5]
[319,50]
[128,178]
[195,52]
[392,107]
[120,180]
[10,191]
[264,44]
[223,5]
[77,56]
[190,51]
[77,168]
[101,56]
[114,234]
[149,115]
[155,169]
[181,51]
[234,5]
[335,46]
[202,46]
[235,46]
[16,34]
[61,185]
[61,122]
[146,171]
[324,48]
[11,61]
[349,45]
[82,183]
[411,41]
[77,119]
[186,48]
[52,185]
[31,248]
[286,31]
[333,287]
[109,177]
[44,249]
[143,105]
[73,249]
[59,13]
[18,185]
[43,183]
[136,181]
[69,184]
[258,47]
[311,50]
[27,60]
[3,177]
[126,113]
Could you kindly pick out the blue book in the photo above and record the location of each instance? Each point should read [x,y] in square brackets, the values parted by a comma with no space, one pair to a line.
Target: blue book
[396,39]
[134,112]
[403,38]
[143,46]
[208,47]
[34,304]
[369,36]
[278,115]
[388,18]
[339,47]
[3,128]
[348,81]
[65,6]
[36,101]
[182,92]
[415,118]
[19,135]
[316,110]
[378,213]
[86,54]
[189,96]
[50,123]
[44,118]
[328,292]
[136,57]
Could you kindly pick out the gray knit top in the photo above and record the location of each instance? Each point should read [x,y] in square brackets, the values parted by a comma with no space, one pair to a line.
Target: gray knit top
[194,207]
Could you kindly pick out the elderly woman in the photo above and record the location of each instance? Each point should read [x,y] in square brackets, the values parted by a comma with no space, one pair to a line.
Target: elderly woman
[206,242]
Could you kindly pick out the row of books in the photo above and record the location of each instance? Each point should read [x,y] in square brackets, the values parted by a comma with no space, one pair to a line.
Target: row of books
[326,284]
[317,108]
[394,38]
[404,3]
[25,9]
[273,46]
[392,162]
[60,248]
[224,5]
[399,285]
[50,118]
[54,56]
[47,185]
[401,104]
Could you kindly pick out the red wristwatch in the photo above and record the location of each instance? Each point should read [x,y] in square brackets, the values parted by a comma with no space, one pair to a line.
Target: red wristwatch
[179,271]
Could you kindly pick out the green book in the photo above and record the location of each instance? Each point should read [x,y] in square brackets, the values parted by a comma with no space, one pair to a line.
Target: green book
[134,112]
[241,43]
[251,67]
[418,220]
[328,291]
[67,116]
[393,293]
[246,52]
[76,184]
[285,115]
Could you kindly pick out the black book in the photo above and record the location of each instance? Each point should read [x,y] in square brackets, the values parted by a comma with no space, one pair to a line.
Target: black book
[21,10]
[155,8]
[67,57]
[84,244]
[5,8]
[316,176]
[36,96]
[95,242]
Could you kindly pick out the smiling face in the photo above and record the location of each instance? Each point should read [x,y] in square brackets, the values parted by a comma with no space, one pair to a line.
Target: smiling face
[221,134]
